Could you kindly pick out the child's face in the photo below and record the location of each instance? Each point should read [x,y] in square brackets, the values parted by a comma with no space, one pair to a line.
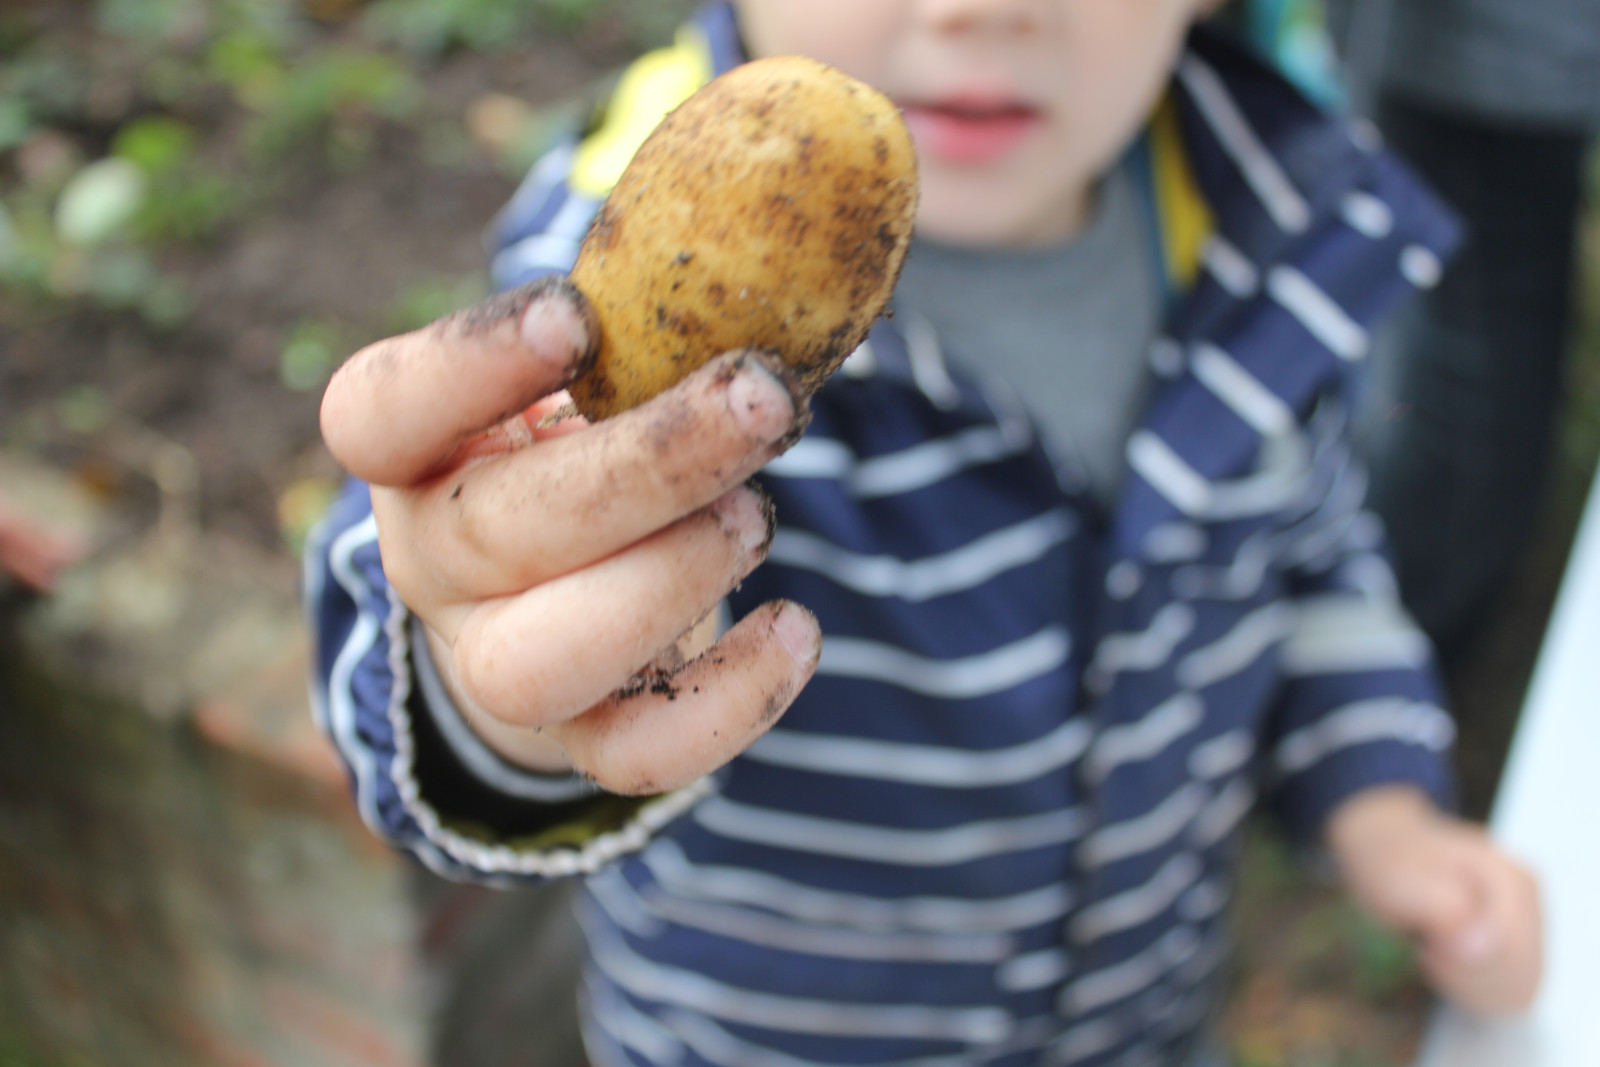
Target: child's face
[1016,106]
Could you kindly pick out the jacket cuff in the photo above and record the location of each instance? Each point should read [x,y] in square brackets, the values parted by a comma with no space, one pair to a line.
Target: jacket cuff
[1382,742]
[436,708]
[488,834]
[410,787]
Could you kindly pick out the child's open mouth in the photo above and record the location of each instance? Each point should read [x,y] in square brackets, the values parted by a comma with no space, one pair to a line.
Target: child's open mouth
[969,132]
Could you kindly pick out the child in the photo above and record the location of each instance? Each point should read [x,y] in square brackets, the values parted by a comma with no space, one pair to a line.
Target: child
[1070,636]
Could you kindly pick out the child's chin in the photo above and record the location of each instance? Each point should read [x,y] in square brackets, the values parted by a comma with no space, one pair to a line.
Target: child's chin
[983,211]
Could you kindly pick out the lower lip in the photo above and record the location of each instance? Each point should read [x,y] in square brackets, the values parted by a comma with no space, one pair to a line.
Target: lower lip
[966,140]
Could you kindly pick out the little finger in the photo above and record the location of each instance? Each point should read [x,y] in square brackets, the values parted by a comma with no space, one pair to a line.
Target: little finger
[547,654]
[665,731]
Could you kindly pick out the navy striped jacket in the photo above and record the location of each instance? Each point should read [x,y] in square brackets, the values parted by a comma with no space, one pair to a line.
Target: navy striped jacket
[999,825]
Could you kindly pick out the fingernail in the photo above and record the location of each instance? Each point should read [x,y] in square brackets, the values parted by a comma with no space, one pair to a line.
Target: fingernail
[746,515]
[558,313]
[796,630]
[1476,942]
[758,399]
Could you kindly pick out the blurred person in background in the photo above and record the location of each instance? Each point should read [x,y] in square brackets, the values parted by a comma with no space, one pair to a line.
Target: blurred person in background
[1493,101]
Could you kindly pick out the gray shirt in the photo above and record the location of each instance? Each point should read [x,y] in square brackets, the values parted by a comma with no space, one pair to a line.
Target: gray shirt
[1067,327]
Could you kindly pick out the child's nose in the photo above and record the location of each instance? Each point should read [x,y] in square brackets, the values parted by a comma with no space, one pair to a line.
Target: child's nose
[986,16]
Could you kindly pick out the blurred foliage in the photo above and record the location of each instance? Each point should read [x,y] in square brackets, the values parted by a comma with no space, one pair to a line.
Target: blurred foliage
[99,201]
[310,353]
[187,200]
[300,506]
[14,1054]
[314,347]
[131,126]
[428,27]
[431,298]
[1385,962]
[84,409]
[338,93]
[1318,984]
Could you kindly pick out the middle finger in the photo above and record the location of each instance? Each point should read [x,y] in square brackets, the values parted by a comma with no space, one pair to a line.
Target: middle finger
[544,655]
[564,503]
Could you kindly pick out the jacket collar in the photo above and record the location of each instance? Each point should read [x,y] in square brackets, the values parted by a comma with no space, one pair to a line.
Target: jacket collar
[1280,229]
[1316,234]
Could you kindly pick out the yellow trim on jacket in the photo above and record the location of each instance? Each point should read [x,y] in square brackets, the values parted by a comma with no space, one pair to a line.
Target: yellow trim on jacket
[1183,218]
[656,83]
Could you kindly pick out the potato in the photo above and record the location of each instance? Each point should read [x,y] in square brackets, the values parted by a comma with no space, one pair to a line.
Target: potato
[772,209]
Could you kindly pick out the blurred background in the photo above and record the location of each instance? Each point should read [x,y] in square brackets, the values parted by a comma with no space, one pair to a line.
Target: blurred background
[205,205]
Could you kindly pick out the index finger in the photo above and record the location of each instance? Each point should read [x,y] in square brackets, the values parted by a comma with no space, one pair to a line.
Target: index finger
[399,408]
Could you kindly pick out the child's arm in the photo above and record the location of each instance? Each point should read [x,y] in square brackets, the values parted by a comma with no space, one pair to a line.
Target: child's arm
[1359,758]
[552,564]
[1473,911]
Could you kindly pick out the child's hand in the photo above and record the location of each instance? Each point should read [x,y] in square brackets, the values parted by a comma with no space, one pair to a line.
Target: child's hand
[554,563]
[1474,911]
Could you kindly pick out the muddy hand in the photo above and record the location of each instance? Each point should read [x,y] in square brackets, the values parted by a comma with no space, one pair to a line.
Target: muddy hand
[553,560]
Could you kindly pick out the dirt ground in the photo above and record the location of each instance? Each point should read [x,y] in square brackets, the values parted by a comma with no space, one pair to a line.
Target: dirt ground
[331,248]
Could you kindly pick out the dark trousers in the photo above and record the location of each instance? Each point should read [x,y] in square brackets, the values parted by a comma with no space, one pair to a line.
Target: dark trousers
[502,973]
[1467,381]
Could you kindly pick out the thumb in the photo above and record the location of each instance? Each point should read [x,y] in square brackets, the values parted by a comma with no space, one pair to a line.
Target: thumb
[398,409]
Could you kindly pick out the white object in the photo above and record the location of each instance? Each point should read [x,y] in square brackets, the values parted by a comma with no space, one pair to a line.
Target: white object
[99,200]
[1548,814]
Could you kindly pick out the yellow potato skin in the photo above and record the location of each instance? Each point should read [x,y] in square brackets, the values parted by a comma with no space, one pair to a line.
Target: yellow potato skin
[772,209]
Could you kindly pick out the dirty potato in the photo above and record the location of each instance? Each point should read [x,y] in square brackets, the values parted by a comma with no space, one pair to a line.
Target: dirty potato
[772,209]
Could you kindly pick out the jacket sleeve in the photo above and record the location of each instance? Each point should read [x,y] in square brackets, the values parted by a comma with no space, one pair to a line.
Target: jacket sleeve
[422,780]
[413,786]
[1362,705]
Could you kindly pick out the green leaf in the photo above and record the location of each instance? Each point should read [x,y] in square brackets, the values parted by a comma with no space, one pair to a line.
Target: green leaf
[1384,961]
[84,409]
[99,200]
[429,27]
[157,145]
[166,304]
[566,14]
[150,21]
[425,301]
[190,207]
[10,242]
[309,356]
[51,79]
[350,84]
[120,279]
[251,64]
[15,122]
